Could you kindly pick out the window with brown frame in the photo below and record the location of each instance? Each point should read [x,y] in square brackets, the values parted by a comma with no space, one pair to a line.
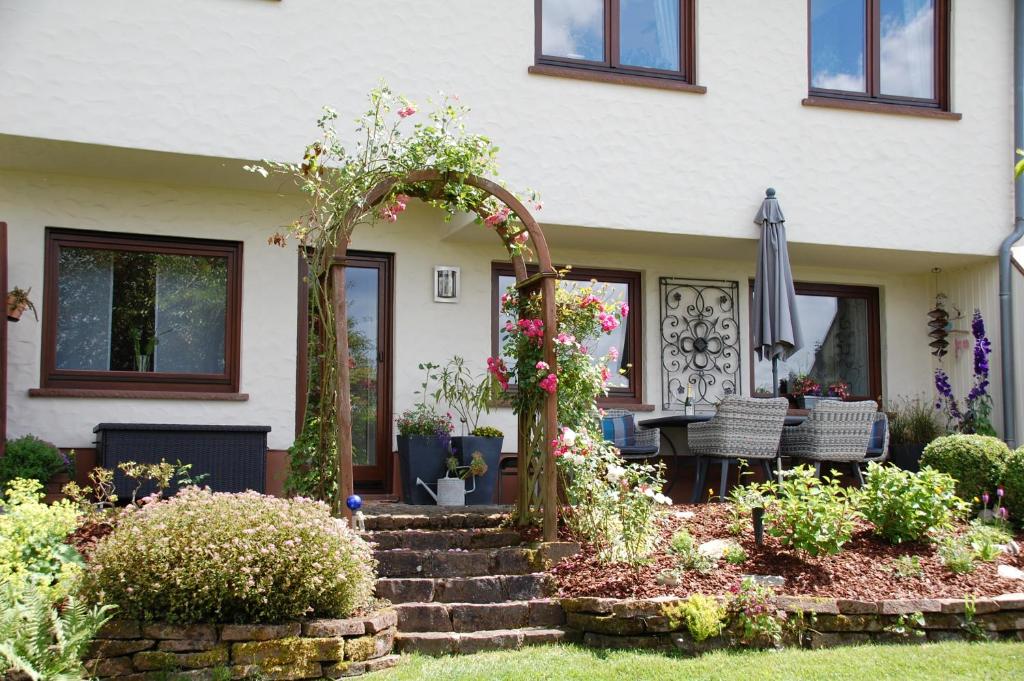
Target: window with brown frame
[619,40]
[880,51]
[841,342]
[124,312]
[622,286]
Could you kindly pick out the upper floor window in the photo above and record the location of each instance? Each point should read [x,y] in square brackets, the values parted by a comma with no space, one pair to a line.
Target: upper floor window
[126,312]
[891,51]
[648,38]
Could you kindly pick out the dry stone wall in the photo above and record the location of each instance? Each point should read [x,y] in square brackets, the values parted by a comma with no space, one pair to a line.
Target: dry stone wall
[127,650]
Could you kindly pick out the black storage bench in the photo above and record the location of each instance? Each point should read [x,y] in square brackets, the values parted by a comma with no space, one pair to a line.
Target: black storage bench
[233,457]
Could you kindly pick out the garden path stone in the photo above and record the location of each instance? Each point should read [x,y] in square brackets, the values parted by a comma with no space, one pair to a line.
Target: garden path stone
[715,548]
[774,581]
[1009,572]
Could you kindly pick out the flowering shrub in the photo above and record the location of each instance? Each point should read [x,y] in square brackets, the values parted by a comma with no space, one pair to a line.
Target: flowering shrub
[32,538]
[753,618]
[212,557]
[804,385]
[809,514]
[976,462]
[977,412]
[905,506]
[611,504]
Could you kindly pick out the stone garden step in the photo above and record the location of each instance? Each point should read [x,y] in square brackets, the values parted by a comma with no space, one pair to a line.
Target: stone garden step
[490,589]
[444,540]
[447,643]
[474,563]
[378,516]
[471,617]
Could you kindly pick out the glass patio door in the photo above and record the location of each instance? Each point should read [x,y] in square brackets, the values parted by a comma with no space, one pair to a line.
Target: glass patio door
[367,288]
[368,292]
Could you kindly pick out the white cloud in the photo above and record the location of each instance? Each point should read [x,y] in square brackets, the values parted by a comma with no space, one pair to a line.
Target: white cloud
[908,54]
[565,20]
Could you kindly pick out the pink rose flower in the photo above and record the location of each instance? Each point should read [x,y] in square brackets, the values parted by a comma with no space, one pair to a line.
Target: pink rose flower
[406,111]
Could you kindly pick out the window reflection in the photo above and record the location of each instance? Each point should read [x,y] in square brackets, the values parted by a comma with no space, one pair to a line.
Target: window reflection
[836,333]
[649,33]
[837,45]
[139,311]
[908,48]
[573,29]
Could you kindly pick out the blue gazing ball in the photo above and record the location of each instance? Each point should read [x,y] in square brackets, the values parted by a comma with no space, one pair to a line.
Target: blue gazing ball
[354,502]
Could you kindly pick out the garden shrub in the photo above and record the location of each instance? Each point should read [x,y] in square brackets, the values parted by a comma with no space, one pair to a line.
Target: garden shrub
[976,462]
[905,506]
[812,515]
[1013,484]
[32,537]
[213,557]
[703,615]
[612,504]
[752,616]
[30,458]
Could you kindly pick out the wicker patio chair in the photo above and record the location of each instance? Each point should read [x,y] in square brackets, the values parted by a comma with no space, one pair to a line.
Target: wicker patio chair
[743,428]
[634,442]
[834,432]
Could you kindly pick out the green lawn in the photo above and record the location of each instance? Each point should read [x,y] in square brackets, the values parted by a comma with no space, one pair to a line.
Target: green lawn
[934,662]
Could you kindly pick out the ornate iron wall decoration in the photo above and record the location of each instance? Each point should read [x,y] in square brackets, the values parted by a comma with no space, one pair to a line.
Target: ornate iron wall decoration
[700,340]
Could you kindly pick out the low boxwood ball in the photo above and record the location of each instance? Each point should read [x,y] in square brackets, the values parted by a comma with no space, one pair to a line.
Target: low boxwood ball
[354,502]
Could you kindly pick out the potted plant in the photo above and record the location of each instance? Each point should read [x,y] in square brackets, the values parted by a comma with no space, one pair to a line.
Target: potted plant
[912,425]
[143,351]
[29,457]
[806,390]
[469,396]
[424,443]
[17,302]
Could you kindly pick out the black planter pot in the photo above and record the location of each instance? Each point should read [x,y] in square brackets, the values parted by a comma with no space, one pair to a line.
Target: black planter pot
[490,448]
[423,457]
[907,455]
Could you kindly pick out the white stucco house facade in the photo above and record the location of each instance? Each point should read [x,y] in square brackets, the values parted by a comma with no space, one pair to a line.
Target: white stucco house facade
[650,136]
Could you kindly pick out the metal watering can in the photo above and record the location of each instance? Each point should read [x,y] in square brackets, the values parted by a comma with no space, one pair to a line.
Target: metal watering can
[450,491]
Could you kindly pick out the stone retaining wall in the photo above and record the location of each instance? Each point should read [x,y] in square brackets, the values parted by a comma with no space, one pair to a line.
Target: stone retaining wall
[136,651]
[817,622]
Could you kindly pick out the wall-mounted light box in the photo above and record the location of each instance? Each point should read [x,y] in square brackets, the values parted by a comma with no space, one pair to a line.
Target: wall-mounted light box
[447,284]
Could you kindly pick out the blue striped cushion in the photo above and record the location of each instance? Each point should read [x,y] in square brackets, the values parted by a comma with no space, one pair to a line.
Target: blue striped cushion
[618,429]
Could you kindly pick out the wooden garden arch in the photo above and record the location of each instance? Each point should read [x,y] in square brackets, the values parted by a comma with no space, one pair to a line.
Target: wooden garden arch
[543,281]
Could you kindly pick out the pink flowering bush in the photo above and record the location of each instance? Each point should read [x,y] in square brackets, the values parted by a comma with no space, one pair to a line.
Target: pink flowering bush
[611,504]
[247,558]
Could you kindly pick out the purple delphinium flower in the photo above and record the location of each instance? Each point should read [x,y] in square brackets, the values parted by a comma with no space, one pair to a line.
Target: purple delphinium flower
[946,399]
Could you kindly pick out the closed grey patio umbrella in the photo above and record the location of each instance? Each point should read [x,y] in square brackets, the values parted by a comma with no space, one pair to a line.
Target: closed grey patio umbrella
[776,329]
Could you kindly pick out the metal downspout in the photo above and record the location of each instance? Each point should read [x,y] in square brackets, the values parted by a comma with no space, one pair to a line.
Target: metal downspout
[1005,265]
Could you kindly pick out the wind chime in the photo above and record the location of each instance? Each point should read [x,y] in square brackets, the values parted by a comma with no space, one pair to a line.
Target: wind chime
[938,322]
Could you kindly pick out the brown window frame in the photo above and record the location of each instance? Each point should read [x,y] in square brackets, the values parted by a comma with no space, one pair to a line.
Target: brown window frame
[629,397]
[128,382]
[868,293]
[872,52]
[611,65]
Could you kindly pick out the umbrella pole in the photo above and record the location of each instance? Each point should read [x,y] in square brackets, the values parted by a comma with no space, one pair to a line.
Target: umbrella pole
[775,376]
[775,392]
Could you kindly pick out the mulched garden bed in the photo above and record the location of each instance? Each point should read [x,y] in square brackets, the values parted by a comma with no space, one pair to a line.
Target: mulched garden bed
[862,570]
